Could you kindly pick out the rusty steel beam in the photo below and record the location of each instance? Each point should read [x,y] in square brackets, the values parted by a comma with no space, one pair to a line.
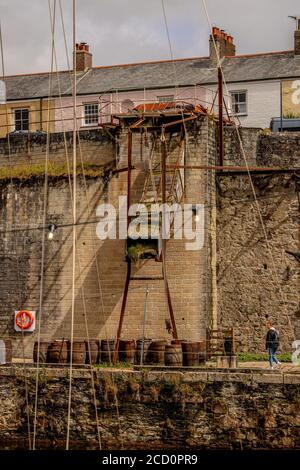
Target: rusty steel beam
[191,118]
[164,242]
[129,165]
[125,295]
[221,123]
[124,301]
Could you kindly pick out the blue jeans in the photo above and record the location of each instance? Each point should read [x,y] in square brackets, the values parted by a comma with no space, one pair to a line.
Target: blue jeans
[272,356]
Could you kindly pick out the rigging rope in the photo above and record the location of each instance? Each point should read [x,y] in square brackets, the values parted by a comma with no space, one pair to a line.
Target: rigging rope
[175,70]
[274,268]
[45,204]
[16,250]
[74,226]
[78,258]
[100,291]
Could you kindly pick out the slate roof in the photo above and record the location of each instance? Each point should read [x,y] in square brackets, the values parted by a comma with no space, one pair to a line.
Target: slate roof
[156,75]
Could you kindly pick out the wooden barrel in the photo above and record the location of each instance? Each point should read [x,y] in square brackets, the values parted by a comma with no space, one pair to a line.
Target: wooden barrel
[58,352]
[142,346]
[5,351]
[92,347]
[190,353]
[126,351]
[173,355]
[43,352]
[79,352]
[107,350]
[156,352]
[202,352]
[178,341]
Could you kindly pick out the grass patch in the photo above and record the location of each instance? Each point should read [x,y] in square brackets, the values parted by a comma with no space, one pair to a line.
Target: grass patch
[252,357]
[118,365]
[28,171]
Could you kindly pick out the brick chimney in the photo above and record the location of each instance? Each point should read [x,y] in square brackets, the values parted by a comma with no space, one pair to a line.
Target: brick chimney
[297,39]
[224,43]
[84,59]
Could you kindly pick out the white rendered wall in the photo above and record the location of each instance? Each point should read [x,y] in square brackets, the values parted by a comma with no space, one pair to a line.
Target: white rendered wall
[263,102]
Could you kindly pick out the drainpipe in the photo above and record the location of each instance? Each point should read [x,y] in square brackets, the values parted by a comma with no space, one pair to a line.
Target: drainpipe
[221,125]
[41,114]
[281,107]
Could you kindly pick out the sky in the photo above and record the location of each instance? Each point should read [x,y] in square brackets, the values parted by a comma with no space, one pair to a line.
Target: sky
[126,31]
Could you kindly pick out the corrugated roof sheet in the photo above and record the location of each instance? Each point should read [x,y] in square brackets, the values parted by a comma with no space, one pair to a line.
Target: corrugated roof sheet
[156,75]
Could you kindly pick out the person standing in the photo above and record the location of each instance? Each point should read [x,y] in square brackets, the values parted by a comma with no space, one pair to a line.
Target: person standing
[272,344]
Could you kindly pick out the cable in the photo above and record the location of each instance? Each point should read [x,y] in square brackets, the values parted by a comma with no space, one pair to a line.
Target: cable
[101,299]
[17,259]
[79,264]
[175,69]
[91,222]
[74,227]
[45,204]
[274,270]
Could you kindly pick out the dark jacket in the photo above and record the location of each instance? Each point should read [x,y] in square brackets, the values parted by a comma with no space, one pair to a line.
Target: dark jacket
[272,339]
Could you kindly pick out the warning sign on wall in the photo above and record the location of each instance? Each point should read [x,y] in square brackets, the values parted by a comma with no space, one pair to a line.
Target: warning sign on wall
[24,320]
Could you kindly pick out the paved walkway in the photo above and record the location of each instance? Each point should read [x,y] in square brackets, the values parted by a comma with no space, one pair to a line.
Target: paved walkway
[262,365]
[284,367]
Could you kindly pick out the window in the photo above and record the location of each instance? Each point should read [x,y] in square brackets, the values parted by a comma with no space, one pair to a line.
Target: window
[91,111]
[239,102]
[165,99]
[21,119]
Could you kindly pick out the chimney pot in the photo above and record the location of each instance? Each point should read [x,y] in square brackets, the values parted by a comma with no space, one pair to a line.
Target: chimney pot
[216,32]
[225,46]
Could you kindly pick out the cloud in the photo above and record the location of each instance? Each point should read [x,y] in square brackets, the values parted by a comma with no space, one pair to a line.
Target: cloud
[123,31]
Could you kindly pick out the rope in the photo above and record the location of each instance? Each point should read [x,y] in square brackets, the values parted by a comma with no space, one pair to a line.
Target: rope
[100,291]
[175,69]
[274,268]
[74,226]
[16,251]
[78,258]
[45,203]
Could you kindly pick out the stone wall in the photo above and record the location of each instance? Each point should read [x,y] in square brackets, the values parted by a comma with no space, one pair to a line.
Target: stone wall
[95,147]
[279,149]
[232,147]
[100,265]
[196,410]
[234,244]
[257,278]
[261,149]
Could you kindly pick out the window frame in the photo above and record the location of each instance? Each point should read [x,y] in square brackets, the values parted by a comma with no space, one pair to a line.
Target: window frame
[234,103]
[90,115]
[21,120]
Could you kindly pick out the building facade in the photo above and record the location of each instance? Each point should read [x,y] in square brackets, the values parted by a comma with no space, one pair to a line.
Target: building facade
[253,91]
